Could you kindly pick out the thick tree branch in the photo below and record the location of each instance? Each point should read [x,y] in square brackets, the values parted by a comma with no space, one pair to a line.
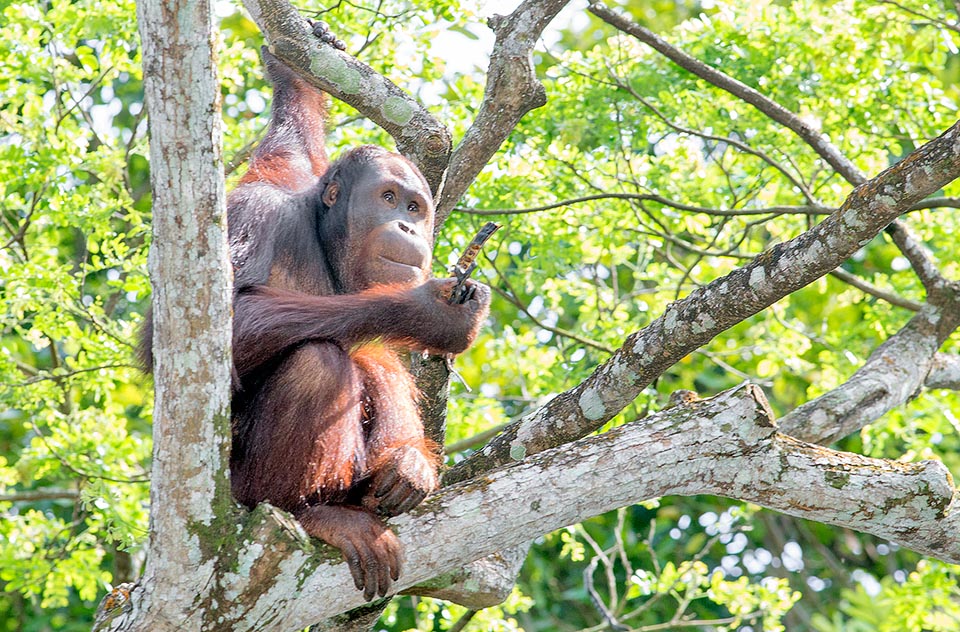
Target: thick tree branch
[891,376]
[727,446]
[512,90]
[417,133]
[483,583]
[696,319]
[190,272]
[945,372]
[433,379]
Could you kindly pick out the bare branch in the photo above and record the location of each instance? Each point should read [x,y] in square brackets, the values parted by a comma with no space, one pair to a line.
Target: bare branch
[483,583]
[811,210]
[919,257]
[890,376]
[66,375]
[726,446]
[940,202]
[474,441]
[872,290]
[945,372]
[512,90]
[659,199]
[953,26]
[38,495]
[695,320]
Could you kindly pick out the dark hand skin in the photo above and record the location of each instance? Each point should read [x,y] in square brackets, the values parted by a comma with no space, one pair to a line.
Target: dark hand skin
[401,483]
[372,551]
[462,321]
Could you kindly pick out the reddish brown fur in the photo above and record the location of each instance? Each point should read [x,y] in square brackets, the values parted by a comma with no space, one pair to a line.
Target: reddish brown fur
[325,416]
[331,276]
[292,154]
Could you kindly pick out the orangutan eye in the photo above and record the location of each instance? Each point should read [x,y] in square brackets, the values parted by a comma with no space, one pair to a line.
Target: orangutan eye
[389,197]
[413,208]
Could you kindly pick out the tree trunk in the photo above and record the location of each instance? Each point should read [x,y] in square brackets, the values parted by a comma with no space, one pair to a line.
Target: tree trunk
[191,275]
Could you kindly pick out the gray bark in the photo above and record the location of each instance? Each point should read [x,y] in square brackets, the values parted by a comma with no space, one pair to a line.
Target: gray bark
[945,372]
[191,275]
[892,374]
[728,446]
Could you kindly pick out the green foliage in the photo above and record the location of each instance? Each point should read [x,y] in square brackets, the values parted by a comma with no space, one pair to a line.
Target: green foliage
[426,614]
[75,431]
[928,600]
[572,281]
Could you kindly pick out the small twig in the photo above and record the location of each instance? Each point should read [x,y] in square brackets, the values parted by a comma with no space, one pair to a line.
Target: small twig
[918,256]
[695,623]
[463,621]
[511,297]
[953,26]
[604,557]
[21,232]
[242,155]
[744,147]
[34,496]
[77,102]
[872,290]
[478,439]
[818,141]
[85,475]
[713,357]
[59,377]
[595,599]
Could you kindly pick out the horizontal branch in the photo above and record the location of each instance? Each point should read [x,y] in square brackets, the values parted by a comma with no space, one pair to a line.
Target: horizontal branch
[937,202]
[483,583]
[38,495]
[659,199]
[726,446]
[813,210]
[693,321]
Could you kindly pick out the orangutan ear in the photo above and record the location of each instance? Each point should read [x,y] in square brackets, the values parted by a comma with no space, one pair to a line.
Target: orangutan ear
[329,196]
